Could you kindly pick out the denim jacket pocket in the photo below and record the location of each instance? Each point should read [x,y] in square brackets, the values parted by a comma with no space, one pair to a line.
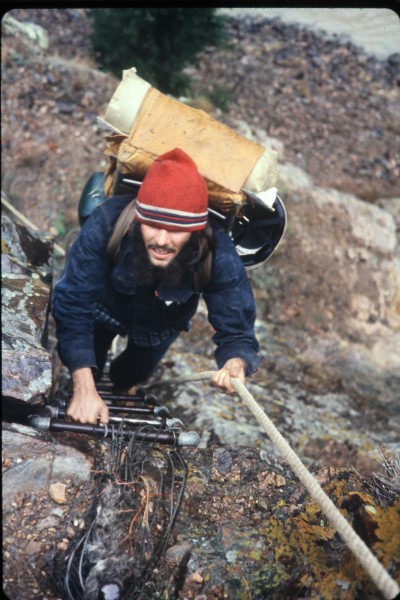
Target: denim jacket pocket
[122,276]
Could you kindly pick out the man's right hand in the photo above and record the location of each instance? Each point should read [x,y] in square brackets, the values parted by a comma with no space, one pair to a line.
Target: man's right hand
[86,406]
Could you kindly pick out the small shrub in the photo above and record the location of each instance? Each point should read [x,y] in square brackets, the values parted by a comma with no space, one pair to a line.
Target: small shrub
[159,42]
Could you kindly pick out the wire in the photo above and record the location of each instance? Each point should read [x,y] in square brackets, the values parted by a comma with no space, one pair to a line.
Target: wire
[136,499]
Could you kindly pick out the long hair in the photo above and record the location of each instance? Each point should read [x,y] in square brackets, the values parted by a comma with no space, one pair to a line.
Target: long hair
[126,222]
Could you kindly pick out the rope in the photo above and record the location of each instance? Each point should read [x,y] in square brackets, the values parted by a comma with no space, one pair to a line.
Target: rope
[27,222]
[363,554]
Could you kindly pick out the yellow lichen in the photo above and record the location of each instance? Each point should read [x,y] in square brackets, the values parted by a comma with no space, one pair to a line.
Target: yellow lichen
[388,532]
[4,247]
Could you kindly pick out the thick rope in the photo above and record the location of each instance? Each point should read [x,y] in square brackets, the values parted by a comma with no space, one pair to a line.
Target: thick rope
[26,221]
[363,554]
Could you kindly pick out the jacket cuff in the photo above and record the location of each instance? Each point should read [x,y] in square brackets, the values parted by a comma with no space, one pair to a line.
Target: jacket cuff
[80,359]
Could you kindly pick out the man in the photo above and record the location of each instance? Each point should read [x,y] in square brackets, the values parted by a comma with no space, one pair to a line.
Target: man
[132,271]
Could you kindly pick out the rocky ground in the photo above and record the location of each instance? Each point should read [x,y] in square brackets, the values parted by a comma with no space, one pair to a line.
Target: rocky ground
[334,112]
[334,109]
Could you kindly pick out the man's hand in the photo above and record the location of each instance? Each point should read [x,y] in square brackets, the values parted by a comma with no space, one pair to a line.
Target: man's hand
[234,367]
[86,406]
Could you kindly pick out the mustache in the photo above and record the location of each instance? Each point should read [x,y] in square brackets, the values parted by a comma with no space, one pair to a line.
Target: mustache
[164,248]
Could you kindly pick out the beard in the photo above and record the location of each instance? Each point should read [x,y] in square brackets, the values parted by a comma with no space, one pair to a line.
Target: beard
[172,275]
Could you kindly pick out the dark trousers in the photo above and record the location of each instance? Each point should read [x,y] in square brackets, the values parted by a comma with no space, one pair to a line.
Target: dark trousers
[134,365]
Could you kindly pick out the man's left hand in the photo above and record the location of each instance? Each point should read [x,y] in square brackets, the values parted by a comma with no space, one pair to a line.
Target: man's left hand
[234,367]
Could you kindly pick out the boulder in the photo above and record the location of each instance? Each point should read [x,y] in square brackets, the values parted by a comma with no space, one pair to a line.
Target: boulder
[33,34]
[26,288]
[36,463]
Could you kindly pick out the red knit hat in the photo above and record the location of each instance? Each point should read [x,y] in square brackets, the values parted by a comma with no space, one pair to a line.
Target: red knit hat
[173,194]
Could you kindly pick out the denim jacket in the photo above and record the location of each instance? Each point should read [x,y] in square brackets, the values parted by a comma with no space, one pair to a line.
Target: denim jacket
[91,282]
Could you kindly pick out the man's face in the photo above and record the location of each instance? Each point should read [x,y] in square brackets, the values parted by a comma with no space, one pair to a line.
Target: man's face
[162,245]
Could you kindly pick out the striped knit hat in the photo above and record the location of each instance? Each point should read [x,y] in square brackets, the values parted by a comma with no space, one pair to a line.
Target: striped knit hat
[173,195]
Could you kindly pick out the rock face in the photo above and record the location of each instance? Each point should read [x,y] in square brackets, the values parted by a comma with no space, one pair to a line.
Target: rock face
[26,287]
[35,463]
[328,326]
[329,331]
[247,529]
[246,526]
[41,477]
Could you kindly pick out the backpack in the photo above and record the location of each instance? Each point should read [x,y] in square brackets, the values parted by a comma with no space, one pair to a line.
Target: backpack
[144,123]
